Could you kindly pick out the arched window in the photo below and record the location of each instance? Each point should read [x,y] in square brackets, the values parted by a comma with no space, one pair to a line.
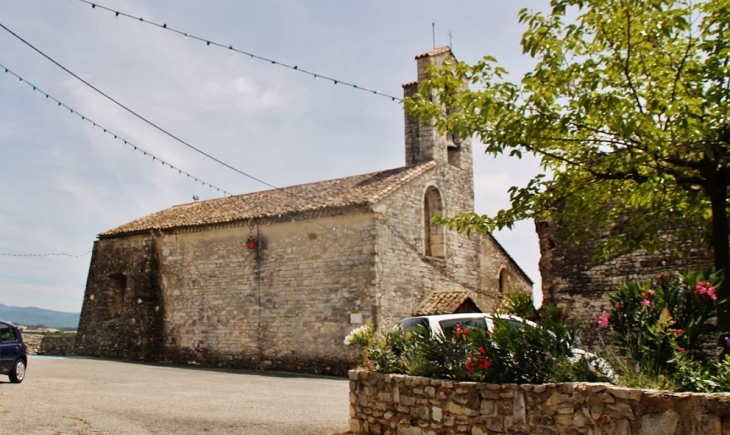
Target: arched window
[503,281]
[433,234]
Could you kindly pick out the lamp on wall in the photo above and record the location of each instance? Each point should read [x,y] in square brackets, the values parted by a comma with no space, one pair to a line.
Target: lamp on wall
[251,242]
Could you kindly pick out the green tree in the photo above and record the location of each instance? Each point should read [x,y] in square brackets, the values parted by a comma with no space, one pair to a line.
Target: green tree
[627,108]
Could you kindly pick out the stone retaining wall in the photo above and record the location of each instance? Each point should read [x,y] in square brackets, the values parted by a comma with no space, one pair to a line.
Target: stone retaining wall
[406,405]
[62,345]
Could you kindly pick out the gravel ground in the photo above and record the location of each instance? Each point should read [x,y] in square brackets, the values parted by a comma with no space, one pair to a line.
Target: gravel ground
[84,396]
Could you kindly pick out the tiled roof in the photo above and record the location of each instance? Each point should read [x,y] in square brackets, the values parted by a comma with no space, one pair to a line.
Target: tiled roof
[359,190]
[442,302]
[435,52]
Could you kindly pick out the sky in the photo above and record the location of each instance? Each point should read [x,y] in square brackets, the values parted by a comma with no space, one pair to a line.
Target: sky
[64,180]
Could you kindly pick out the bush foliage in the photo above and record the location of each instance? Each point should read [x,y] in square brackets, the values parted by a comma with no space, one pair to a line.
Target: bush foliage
[664,331]
[661,334]
[515,351]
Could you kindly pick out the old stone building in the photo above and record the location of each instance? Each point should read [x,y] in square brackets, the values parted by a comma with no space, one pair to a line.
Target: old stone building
[573,278]
[276,279]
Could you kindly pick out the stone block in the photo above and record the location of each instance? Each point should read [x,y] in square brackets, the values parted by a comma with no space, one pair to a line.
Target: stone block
[355,427]
[495,424]
[556,399]
[488,407]
[659,424]
[622,410]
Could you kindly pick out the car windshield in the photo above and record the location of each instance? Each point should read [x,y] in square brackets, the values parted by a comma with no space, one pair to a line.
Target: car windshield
[413,322]
[447,326]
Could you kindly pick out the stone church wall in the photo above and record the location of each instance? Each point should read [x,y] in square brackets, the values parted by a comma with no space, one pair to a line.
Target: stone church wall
[406,276]
[495,261]
[283,306]
[571,277]
[123,308]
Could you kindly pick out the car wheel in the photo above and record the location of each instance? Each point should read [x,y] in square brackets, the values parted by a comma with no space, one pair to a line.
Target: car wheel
[18,373]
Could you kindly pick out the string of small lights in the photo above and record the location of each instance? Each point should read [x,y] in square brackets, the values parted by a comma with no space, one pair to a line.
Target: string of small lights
[230,47]
[111,133]
[199,151]
[55,254]
[137,148]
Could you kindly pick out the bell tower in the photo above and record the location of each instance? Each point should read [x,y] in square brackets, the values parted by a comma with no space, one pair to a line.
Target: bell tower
[424,142]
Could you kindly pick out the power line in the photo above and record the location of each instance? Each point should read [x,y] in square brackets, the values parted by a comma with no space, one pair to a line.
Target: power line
[164,163]
[251,55]
[133,112]
[111,133]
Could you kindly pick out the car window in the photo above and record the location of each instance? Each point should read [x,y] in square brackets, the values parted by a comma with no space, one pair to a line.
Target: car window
[448,326]
[413,322]
[7,333]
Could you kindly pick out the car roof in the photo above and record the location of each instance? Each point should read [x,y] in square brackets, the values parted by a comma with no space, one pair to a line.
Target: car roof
[453,316]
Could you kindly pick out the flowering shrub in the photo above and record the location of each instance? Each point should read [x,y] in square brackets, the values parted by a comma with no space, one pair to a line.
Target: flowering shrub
[360,336]
[514,352]
[665,330]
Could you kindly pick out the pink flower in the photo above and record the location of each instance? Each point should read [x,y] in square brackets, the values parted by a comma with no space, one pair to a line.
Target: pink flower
[603,321]
[705,288]
[460,330]
[645,302]
[651,292]
[711,293]
[678,332]
[617,305]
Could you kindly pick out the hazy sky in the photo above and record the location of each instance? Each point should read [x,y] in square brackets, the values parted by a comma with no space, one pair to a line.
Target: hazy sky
[64,181]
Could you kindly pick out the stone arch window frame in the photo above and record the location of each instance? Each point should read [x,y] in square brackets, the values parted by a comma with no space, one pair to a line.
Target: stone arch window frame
[429,228]
[503,280]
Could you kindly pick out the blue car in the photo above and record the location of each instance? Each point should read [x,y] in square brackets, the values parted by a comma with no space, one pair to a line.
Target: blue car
[13,356]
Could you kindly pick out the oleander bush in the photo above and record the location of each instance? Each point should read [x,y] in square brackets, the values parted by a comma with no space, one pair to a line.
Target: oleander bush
[662,333]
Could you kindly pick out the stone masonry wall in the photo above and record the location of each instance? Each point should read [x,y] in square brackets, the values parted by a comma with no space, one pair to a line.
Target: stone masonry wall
[58,345]
[283,306]
[405,275]
[121,316]
[571,277]
[493,260]
[405,405]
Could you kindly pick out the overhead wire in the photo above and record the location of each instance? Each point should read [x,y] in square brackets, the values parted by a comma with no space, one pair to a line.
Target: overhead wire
[137,148]
[111,133]
[230,47]
[105,95]
[137,115]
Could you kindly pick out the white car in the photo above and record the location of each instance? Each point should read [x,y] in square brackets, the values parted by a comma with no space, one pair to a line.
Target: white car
[444,324]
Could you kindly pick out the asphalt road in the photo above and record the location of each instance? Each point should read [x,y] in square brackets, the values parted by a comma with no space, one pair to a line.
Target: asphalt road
[64,396]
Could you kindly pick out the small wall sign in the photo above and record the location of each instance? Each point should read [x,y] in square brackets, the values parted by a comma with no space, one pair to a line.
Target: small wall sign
[356,317]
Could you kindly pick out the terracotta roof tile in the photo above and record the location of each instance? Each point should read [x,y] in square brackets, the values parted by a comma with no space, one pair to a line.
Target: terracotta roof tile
[359,190]
[435,52]
[442,302]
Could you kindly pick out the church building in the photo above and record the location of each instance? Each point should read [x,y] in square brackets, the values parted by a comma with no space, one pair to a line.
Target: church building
[276,279]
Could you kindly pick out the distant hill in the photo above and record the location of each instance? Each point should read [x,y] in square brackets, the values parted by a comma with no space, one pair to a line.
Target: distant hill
[38,316]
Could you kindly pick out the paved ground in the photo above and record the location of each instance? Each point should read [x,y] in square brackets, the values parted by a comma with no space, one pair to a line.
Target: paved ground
[64,396]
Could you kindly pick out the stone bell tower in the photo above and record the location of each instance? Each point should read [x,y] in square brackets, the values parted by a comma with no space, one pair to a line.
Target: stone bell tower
[424,142]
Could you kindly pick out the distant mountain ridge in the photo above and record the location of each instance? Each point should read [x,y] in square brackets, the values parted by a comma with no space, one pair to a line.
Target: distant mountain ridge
[39,316]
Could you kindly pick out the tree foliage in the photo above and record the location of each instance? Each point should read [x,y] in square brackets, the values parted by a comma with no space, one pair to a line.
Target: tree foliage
[627,108]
